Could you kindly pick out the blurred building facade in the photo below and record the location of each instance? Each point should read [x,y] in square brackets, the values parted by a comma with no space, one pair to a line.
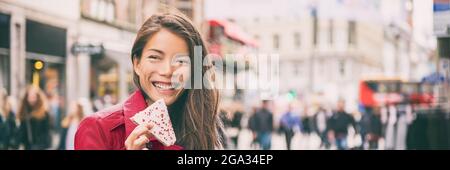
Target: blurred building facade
[408,39]
[325,49]
[84,45]
[320,53]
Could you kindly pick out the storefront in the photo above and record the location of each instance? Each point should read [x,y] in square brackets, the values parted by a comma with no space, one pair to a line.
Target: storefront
[5,69]
[110,73]
[45,63]
[224,38]
[104,79]
[111,77]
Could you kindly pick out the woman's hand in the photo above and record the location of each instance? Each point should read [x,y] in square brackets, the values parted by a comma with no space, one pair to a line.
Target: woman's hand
[139,137]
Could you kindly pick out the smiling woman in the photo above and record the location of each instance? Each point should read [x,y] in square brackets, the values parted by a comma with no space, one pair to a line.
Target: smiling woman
[161,57]
[155,67]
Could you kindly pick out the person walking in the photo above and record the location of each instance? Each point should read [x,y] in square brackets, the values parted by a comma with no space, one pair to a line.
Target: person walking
[290,123]
[264,125]
[339,123]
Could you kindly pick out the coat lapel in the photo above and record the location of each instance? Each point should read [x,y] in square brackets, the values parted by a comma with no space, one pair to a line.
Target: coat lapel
[134,104]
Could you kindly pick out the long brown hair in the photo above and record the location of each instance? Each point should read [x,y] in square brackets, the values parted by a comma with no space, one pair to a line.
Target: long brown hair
[77,113]
[4,105]
[38,110]
[194,114]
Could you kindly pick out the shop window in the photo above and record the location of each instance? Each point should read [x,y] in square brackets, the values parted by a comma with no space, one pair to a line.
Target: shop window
[352,33]
[38,41]
[115,12]
[276,41]
[4,31]
[342,68]
[331,32]
[297,40]
[104,83]
[5,69]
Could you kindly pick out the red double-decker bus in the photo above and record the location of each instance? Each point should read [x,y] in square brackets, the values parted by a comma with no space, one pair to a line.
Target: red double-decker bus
[380,91]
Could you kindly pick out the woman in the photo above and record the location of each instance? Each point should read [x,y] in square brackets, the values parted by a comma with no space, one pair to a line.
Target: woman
[163,48]
[34,119]
[7,123]
[71,122]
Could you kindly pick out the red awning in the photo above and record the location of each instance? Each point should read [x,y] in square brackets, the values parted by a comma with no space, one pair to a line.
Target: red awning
[234,32]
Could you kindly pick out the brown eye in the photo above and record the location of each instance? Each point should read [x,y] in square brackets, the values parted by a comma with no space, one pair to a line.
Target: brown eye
[183,60]
[153,57]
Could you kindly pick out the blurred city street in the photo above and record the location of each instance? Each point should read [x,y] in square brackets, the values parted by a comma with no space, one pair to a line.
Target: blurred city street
[299,142]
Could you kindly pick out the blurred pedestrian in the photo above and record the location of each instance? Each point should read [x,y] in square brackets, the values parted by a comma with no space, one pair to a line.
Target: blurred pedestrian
[264,125]
[8,127]
[97,104]
[390,123]
[71,122]
[108,100]
[339,124]
[371,127]
[53,101]
[235,124]
[321,125]
[306,122]
[289,124]
[34,119]
[252,127]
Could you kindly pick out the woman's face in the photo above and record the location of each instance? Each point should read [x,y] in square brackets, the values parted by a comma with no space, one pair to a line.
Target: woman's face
[74,107]
[164,66]
[32,97]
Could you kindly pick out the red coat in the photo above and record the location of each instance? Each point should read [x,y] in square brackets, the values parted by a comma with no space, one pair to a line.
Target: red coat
[108,129]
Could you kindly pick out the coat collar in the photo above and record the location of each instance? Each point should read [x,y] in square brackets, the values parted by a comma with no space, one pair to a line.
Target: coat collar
[134,104]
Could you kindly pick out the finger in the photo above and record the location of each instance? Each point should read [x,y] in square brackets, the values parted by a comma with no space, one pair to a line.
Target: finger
[138,131]
[147,133]
[149,125]
[141,141]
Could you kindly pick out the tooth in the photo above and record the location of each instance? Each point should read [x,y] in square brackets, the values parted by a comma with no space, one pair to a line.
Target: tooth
[165,86]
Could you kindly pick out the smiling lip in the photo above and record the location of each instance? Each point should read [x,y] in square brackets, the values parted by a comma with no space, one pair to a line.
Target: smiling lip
[164,88]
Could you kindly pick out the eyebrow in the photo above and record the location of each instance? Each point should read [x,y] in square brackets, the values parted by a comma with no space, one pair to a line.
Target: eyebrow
[156,50]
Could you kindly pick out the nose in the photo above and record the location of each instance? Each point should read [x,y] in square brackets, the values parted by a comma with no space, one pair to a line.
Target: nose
[166,69]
